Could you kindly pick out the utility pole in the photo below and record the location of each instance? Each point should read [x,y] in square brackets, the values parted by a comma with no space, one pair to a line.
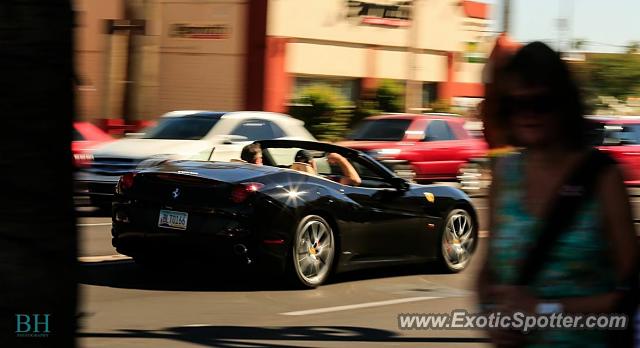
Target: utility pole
[565,21]
[129,27]
[412,95]
[129,92]
[506,16]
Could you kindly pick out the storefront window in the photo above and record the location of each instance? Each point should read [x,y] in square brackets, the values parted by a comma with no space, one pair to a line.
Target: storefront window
[429,93]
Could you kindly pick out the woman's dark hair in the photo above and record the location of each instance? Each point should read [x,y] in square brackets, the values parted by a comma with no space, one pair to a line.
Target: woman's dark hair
[537,65]
[303,156]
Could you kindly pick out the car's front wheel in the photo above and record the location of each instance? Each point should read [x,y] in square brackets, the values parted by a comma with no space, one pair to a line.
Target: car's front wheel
[458,241]
[312,251]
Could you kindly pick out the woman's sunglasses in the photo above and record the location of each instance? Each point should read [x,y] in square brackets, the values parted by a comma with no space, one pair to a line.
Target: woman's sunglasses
[540,104]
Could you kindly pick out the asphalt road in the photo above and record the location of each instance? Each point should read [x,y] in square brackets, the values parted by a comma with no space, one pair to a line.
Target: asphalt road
[124,305]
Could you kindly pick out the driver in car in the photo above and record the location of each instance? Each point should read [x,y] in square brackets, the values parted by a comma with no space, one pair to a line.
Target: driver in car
[349,174]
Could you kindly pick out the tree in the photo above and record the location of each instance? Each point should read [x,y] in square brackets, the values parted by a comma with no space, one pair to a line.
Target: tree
[441,105]
[634,47]
[325,112]
[578,44]
[390,96]
[616,75]
[37,232]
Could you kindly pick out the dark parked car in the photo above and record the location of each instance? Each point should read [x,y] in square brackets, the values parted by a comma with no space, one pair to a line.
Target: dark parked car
[303,223]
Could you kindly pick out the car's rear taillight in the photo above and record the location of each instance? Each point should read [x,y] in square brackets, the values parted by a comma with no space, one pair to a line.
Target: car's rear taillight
[125,183]
[241,192]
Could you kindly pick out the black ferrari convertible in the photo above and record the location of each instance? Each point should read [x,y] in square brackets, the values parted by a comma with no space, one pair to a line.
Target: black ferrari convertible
[291,218]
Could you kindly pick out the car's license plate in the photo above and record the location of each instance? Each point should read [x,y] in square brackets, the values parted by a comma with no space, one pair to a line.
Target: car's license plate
[173,219]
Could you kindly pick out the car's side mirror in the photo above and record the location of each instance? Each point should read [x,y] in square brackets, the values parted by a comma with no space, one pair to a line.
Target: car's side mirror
[399,184]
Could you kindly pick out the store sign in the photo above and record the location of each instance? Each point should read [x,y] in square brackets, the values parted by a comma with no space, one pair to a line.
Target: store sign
[201,31]
[382,12]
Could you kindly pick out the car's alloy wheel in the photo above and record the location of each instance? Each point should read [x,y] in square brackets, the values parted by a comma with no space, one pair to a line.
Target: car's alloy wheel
[458,240]
[313,250]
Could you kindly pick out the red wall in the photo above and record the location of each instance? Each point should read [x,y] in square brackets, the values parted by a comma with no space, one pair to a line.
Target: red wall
[476,9]
[266,82]
[449,88]
[277,82]
[256,47]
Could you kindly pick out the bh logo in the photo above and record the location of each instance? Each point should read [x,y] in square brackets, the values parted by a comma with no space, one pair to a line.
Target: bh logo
[32,325]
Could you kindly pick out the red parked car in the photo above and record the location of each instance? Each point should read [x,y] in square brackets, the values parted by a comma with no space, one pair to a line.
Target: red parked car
[86,138]
[620,137]
[428,147]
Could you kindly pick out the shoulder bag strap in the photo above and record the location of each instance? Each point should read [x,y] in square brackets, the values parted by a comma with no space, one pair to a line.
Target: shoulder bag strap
[578,189]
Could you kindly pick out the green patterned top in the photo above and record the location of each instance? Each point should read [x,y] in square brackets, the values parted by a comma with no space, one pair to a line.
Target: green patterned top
[578,264]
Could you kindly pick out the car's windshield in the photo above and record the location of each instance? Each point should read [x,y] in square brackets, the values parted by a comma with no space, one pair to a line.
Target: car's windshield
[187,128]
[384,129]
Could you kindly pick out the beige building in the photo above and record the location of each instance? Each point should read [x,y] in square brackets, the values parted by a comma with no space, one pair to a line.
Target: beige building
[257,54]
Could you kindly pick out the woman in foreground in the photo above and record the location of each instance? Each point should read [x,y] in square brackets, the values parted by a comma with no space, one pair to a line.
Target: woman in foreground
[581,261]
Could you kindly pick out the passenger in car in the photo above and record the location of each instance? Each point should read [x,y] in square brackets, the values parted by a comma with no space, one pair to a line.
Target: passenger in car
[350,175]
[303,158]
[304,162]
[252,153]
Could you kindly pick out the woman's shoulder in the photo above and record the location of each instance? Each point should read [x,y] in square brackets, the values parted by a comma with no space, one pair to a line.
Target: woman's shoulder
[605,168]
[604,158]
[610,177]
[506,161]
[505,168]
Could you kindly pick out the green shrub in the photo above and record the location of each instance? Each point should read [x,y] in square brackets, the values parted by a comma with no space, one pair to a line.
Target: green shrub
[390,96]
[328,115]
[365,107]
[325,112]
[387,97]
[441,105]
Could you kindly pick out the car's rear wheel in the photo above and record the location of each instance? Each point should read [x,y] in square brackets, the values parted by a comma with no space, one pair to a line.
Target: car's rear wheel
[312,251]
[457,242]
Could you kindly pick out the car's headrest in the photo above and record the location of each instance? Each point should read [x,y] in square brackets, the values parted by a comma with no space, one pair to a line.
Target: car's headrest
[303,167]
